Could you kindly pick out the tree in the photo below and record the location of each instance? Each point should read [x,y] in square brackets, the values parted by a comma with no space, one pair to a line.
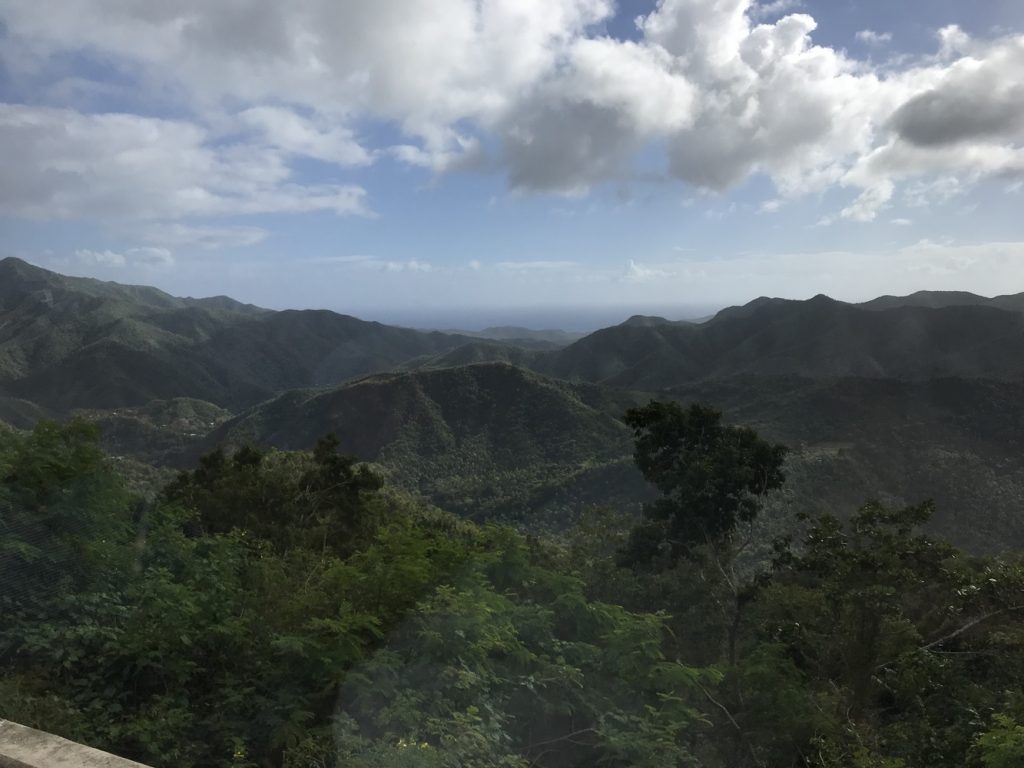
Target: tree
[907,645]
[322,501]
[711,476]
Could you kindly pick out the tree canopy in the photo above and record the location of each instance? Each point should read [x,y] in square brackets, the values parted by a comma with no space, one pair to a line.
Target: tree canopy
[711,476]
[289,609]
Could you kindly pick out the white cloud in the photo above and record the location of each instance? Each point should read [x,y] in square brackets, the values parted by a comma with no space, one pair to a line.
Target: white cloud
[725,89]
[870,202]
[923,194]
[60,163]
[290,132]
[136,257]
[100,258]
[638,273]
[206,237]
[872,38]
[412,265]
[374,264]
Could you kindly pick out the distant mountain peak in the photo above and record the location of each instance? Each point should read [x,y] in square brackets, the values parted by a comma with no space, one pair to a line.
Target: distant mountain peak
[13,266]
[644,321]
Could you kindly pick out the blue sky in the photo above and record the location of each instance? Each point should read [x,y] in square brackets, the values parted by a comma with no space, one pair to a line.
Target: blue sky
[468,162]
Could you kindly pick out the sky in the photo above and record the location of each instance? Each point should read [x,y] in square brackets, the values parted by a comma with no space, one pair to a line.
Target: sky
[462,163]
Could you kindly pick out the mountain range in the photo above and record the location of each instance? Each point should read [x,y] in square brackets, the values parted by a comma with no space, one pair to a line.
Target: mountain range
[70,343]
[899,398]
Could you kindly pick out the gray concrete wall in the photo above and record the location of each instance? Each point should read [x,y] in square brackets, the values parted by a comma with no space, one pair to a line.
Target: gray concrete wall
[22,747]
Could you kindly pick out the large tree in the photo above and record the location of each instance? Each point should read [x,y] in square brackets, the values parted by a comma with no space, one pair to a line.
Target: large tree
[711,476]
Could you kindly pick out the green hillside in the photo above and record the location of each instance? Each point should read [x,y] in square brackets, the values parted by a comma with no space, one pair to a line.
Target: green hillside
[920,399]
[482,440]
[818,338]
[70,343]
[158,432]
[491,439]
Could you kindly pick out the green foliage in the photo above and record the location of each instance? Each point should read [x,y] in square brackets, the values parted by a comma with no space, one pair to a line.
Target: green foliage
[1003,746]
[712,477]
[486,441]
[286,499]
[287,610]
[512,665]
[204,630]
[905,646]
[59,505]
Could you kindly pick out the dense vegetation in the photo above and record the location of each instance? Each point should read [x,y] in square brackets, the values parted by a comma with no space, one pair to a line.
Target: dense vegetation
[484,441]
[505,584]
[898,399]
[289,609]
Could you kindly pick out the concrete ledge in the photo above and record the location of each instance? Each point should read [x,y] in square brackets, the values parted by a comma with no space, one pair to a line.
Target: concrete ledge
[22,747]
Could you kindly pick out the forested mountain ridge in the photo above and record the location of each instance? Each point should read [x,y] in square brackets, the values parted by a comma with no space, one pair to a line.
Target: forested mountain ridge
[527,337]
[491,439]
[78,343]
[891,403]
[483,440]
[939,299]
[817,338]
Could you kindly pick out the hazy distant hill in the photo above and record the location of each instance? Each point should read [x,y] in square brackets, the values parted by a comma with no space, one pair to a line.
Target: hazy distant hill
[79,343]
[527,337]
[477,352]
[815,338]
[480,439]
[647,321]
[940,299]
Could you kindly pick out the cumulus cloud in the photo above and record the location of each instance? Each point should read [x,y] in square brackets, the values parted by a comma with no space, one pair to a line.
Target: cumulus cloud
[723,89]
[978,104]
